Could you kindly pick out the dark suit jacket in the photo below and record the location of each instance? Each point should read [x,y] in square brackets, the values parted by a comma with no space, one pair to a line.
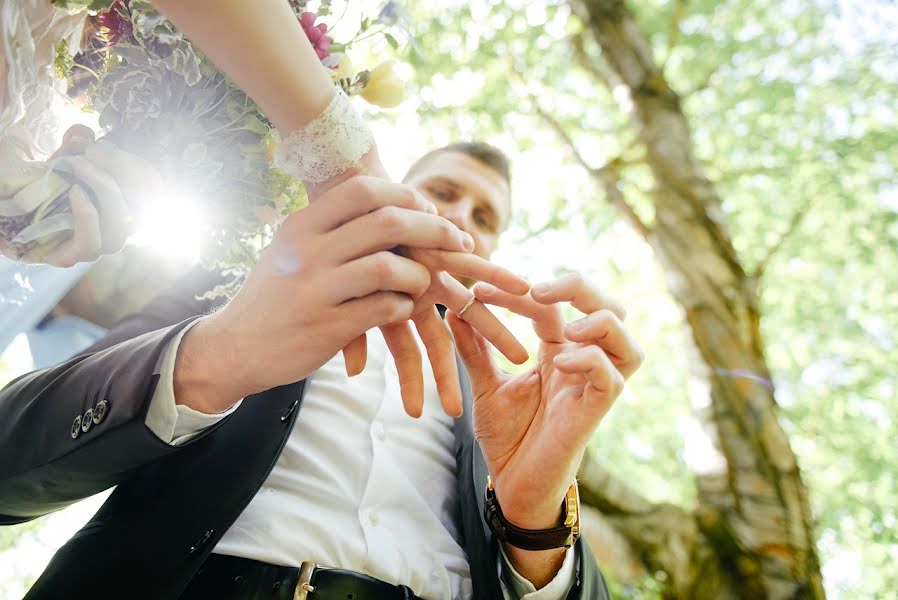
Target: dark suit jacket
[172,504]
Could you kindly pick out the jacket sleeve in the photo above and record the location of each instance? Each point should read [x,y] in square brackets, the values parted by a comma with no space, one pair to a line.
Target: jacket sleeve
[78,428]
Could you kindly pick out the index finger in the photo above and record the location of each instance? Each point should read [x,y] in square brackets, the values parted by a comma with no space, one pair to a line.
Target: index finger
[547,321]
[470,266]
[583,295]
[358,196]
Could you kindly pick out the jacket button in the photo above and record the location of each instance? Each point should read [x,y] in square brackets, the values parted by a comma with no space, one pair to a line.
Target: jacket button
[87,421]
[100,411]
[76,427]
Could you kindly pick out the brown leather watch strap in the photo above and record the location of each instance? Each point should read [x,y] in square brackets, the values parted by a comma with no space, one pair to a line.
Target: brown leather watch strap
[563,536]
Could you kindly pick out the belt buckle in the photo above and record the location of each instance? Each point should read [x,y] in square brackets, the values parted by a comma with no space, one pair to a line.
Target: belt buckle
[304,583]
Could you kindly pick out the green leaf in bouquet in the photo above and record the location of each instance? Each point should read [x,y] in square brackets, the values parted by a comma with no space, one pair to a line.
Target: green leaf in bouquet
[393,42]
[159,38]
[15,181]
[64,61]
[46,231]
[255,124]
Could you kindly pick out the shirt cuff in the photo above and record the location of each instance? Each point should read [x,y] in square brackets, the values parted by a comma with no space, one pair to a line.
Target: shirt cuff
[522,589]
[174,423]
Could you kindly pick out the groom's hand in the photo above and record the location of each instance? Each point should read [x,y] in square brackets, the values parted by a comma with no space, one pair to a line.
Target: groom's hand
[327,277]
[534,428]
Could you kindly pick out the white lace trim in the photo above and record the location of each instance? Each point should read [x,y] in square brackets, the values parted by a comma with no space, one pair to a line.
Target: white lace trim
[331,144]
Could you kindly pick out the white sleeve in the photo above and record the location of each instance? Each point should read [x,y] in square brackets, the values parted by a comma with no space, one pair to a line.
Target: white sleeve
[175,423]
[522,589]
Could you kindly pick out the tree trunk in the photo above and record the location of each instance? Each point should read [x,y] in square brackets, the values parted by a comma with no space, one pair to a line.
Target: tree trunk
[751,535]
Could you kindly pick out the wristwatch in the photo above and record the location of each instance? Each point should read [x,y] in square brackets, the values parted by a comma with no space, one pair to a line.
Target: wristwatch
[563,536]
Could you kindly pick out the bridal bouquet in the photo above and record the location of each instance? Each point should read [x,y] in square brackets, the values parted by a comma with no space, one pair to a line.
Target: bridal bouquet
[160,98]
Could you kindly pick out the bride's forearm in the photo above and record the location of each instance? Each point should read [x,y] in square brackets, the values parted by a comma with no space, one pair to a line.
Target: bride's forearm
[263,49]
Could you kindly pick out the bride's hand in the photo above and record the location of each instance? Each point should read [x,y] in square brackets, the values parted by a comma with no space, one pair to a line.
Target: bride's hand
[435,336]
[445,290]
[106,183]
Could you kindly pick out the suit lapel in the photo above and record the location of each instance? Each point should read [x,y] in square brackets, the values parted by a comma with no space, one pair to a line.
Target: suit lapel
[471,472]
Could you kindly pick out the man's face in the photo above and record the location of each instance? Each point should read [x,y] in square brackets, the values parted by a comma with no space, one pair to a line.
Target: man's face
[469,193]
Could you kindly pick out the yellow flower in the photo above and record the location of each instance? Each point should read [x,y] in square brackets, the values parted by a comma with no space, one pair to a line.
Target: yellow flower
[384,88]
[344,68]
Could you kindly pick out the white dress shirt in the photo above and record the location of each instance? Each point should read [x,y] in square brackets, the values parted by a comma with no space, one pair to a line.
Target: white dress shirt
[359,485]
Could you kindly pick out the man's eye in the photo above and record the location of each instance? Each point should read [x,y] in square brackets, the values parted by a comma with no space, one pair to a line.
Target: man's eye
[484,220]
[441,193]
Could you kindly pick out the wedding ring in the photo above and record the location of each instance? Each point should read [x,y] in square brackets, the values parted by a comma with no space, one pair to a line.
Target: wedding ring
[467,305]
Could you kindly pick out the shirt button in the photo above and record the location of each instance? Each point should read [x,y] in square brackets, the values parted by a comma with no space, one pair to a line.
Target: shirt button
[372,517]
[380,431]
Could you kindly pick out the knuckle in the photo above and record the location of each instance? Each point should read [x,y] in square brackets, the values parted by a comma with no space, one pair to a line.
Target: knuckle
[384,268]
[421,281]
[397,308]
[389,221]
[405,196]
[604,319]
[616,383]
[449,233]
[594,354]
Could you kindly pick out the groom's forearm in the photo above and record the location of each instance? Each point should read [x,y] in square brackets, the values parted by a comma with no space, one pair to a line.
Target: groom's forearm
[204,379]
[539,567]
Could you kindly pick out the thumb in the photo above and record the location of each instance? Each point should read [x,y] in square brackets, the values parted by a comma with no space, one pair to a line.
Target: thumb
[475,353]
[75,141]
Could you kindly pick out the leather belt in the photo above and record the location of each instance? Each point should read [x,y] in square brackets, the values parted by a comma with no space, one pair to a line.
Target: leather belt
[236,578]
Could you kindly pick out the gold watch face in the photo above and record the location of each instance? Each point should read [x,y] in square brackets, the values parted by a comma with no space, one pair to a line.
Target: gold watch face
[572,509]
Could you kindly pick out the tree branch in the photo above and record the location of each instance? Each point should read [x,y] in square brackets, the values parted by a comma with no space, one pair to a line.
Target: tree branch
[794,224]
[607,175]
[589,65]
[674,33]
[661,535]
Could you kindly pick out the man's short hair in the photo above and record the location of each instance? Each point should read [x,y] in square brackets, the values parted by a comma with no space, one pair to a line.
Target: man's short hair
[485,153]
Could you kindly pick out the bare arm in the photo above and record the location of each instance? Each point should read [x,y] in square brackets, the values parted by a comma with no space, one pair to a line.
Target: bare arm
[271,60]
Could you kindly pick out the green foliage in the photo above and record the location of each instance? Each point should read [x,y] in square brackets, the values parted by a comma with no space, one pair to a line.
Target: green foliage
[792,112]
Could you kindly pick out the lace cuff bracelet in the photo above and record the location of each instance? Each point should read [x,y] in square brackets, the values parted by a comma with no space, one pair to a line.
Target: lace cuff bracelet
[329,145]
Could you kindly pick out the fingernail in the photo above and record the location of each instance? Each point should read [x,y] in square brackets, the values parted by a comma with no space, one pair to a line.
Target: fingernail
[486,288]
[541,288]
[467,240]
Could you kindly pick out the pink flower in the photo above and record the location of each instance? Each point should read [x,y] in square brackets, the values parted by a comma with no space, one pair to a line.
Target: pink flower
[316,34]
[115,25]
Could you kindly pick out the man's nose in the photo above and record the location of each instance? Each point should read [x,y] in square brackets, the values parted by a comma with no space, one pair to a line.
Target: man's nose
[459,213]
